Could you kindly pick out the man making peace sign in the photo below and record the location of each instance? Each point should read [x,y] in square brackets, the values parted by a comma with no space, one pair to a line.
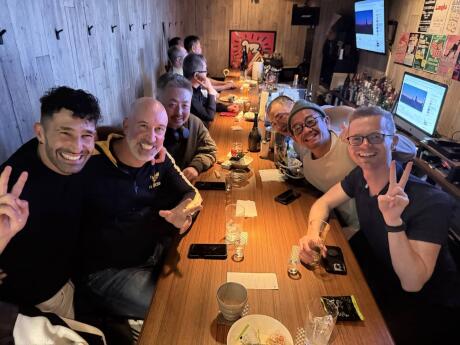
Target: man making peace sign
[404,222]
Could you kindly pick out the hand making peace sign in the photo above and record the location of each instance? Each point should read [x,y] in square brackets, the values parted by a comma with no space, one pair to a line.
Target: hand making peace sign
[13,211]
[393,203]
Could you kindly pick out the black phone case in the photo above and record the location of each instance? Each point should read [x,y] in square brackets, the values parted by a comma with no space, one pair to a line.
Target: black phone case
[334,262]
[210,185]
[287,197]
[207,251]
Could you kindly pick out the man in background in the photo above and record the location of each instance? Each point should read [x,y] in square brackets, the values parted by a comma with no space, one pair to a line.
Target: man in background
[204,107]
[176,56]
[186,139]
[175,41]
[193,45]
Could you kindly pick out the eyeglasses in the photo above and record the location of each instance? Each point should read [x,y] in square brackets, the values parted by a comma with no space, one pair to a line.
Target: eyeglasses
[309,122]
[373,138]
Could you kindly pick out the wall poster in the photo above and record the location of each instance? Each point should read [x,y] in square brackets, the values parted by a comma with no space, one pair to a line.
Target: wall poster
[427,14]
[253,40]
[435,53]
[449,56]
[421,52]
[401,47]
[411,46]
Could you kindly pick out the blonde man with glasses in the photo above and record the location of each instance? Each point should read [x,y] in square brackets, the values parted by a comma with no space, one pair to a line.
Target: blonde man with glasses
[405,222]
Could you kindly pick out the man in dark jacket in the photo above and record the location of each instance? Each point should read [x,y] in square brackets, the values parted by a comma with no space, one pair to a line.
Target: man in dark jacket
[131,210]
[187,139]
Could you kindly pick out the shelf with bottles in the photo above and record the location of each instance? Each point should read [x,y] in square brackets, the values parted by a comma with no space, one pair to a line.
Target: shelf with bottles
[361,89]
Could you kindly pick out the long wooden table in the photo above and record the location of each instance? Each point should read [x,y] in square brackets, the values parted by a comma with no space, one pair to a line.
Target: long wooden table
[184,309]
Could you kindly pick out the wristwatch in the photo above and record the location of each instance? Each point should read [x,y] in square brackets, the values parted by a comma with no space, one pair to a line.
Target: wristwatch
[397,228]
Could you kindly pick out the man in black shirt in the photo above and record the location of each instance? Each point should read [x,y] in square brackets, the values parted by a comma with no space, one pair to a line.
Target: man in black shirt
[38,260]
[404,222]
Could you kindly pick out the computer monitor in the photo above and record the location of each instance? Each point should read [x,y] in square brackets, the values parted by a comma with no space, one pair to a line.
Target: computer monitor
[370,25]
[419,105]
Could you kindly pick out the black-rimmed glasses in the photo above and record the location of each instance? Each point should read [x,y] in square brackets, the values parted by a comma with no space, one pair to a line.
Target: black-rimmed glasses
[373,138]
[309,122]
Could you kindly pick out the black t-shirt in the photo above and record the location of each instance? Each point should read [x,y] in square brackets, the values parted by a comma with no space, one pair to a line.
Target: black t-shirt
[40,258]
[427,219]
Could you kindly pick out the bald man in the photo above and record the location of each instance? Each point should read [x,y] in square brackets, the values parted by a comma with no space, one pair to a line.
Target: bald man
[132,208]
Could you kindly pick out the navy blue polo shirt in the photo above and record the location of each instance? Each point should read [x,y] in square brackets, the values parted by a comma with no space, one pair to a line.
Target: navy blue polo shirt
[427,219]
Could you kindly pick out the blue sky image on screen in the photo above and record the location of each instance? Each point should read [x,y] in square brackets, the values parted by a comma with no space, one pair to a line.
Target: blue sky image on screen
[370,25]
[364,22]
[413,97]
[419,105]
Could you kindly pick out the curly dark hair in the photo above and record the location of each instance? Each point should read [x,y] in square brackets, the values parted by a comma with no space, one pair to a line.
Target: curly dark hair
[83,104]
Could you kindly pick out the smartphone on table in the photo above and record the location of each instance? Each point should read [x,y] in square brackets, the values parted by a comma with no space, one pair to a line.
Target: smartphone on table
[210,185]
[287,197]
[216,251]
[334,262]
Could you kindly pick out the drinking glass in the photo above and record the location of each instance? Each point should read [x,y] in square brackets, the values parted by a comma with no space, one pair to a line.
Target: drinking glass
[234,217]
[236,150]
[231,298]
[323,229]
[321,318]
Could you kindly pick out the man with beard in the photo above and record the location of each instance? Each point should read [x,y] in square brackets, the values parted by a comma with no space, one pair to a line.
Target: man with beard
[405,222]
[132,209]
[38,260]
[187,139]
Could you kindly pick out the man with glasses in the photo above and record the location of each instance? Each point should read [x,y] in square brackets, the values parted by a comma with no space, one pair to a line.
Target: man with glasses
[186,138]
[405,221]
[325,160]
[205,107]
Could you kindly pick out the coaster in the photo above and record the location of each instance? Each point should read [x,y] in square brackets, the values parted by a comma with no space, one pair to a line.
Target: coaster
[296,276]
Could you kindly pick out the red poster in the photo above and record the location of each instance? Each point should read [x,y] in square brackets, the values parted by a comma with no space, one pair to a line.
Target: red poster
[254,41]
[401,47]
[449,56]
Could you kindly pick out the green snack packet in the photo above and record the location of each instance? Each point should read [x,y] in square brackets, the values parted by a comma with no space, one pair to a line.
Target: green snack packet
[347,306]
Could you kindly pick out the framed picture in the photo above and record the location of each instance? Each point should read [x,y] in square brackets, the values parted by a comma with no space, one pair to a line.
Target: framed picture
[263,41]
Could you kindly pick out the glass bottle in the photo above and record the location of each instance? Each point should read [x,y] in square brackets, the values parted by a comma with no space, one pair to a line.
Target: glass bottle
[254,136]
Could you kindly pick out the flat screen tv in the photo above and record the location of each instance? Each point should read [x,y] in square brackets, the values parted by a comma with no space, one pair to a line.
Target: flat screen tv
[419,105]
[370,25]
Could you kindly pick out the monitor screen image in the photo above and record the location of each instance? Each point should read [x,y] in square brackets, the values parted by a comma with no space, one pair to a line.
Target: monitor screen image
[370,25]
[419,105]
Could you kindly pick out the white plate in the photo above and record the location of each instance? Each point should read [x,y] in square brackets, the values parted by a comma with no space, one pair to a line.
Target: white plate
[265,324]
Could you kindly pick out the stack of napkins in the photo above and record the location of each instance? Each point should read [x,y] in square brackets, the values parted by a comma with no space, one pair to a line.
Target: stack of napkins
[249,207]
[271,175]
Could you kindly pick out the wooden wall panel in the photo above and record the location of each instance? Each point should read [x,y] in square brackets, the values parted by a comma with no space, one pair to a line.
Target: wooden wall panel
[116,67]
[408,14]
[211,20]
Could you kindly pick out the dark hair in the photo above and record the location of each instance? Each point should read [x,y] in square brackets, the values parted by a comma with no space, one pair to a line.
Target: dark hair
[374,111]
[175,41]
[172,80]
[83,104]
[189,41]
[192,63]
